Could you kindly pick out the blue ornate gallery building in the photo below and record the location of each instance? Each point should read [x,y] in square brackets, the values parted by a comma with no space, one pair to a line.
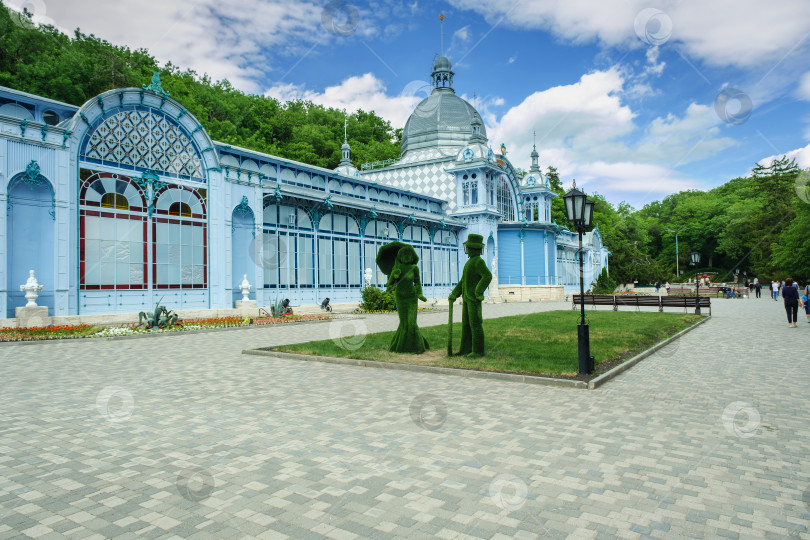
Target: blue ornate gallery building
[126,199]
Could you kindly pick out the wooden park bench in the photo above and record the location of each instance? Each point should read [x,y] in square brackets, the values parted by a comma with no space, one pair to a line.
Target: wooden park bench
[639,301]
[685,302]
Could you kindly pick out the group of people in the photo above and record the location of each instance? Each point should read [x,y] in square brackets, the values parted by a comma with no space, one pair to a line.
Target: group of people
[793,299]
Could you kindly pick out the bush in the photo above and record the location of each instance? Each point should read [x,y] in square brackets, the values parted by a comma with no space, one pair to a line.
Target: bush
[376,299]
[604,285]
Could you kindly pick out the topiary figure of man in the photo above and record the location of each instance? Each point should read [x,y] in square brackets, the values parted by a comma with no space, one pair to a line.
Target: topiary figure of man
[474,281]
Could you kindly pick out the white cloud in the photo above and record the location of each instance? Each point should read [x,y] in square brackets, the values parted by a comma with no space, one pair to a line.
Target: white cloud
[360,92]
[580,116]
[802,156]
[590,121]
[679,140]
[654,67]
[723,32]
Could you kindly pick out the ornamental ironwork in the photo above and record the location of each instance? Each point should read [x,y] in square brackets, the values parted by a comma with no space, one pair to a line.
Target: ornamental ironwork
[150,183]
[144,140]
[32,175]
[156,85]
[243,207]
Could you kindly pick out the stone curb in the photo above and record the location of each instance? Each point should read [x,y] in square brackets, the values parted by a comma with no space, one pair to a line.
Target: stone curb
[175,333]
[624,366]
[475,374]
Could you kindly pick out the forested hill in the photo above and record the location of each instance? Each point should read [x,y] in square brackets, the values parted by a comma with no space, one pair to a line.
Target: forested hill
[48,63]
[759,224]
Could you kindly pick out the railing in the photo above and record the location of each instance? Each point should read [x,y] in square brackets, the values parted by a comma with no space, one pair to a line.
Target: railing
[374,164]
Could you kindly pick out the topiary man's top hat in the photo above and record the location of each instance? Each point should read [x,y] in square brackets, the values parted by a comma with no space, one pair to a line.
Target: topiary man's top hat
[475,241]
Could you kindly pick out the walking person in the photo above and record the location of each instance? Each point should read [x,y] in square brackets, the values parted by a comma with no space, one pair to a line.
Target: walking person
[758,289]
[804,304]
[775,290]
[666,286]
[790,294]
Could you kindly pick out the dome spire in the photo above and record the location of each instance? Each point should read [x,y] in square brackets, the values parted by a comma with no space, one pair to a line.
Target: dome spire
[441,25]
[442,75]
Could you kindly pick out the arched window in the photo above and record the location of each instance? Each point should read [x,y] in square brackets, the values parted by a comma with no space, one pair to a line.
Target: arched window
[180,209]
[112,233]
[114,200]
[445,261]
[180,240]
[505,206]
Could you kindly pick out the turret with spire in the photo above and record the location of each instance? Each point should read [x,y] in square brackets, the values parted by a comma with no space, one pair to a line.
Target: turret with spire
[345,166]
[346,150]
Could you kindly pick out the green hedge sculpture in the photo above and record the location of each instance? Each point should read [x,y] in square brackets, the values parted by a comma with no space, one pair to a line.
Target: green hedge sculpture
[398,261]
[474,281]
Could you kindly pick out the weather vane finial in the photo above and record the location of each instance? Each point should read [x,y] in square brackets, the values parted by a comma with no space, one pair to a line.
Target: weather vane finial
[345,137]
[534,135]
[441,23]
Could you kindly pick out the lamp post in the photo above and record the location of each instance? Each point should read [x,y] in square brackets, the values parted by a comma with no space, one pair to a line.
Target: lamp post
[695,261]
[579,211]
[737,274]
[677,265]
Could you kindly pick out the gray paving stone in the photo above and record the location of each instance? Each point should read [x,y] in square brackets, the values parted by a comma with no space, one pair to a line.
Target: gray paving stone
[700,439]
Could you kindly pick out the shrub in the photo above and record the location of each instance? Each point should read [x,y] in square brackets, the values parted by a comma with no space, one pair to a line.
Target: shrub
[604,285]
[376,299]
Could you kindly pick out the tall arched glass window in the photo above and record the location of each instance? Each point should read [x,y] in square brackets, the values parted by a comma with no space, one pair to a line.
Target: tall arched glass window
[180,239]
[505,204]
[445,262]
[112,233]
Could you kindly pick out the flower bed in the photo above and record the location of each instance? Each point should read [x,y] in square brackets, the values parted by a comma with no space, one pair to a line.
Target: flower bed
[290,318]
[39,333]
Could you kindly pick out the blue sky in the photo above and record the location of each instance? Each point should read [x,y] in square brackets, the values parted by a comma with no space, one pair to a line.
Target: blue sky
[635,99]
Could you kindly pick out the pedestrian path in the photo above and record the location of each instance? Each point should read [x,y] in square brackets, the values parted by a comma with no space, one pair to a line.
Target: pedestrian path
[181,436]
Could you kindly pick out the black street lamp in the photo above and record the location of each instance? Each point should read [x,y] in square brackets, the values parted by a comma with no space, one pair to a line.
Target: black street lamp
[695,261]
[579,211]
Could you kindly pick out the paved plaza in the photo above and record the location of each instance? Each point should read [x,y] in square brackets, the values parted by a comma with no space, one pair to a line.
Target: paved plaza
[182,436]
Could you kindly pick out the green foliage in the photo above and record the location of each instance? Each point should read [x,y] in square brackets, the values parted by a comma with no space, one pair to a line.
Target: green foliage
[604,285]
[756,224]
[376,299]
[46,62]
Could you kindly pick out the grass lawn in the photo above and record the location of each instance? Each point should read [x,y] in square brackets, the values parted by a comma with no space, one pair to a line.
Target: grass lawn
[539,343]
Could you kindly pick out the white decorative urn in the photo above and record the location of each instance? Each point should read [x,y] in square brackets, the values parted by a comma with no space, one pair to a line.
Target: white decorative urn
[367,277]
[245,288]
[31,289]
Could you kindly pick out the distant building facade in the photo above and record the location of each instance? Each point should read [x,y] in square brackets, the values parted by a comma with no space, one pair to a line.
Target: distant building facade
[127,200]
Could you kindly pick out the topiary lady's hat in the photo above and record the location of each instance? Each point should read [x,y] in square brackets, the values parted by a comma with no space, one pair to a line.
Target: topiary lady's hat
[475,241]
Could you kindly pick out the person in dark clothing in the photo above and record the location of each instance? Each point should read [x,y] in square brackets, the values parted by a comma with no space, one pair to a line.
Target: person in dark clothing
[790,294]
[758,289]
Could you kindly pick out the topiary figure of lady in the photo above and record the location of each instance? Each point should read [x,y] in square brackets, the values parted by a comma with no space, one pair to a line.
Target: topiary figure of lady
[474,281]
[398,261]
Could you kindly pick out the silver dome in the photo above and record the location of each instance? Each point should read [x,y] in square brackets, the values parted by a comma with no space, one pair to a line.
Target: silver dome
[440,120]
[442,63]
